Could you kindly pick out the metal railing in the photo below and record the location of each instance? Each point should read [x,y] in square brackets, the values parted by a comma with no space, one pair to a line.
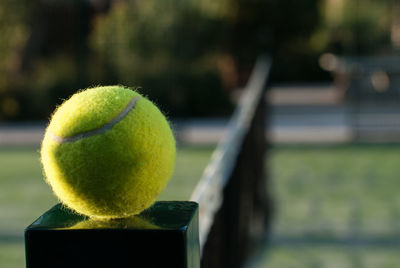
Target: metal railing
[232,192]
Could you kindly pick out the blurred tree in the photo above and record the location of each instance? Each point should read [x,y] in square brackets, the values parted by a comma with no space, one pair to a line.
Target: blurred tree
[202,42]
[50,57]
[13,31]
[168,48]
[281,28]
[181,52]
[358,27]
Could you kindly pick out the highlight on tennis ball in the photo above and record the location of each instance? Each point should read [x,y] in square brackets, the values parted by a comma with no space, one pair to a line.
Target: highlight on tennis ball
[108,152]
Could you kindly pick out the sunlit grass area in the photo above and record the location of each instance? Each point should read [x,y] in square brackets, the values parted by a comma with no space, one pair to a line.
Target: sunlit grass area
[24,195]
[331,257]
[334,207]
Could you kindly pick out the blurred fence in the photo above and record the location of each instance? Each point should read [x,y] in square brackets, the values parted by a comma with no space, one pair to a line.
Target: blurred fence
[371,89]
[232,195]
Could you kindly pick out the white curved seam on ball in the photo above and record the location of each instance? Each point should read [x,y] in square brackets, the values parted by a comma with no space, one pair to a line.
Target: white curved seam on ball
[106,127]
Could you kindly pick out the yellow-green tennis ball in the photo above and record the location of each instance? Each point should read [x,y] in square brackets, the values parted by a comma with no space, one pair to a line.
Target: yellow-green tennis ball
[108,152]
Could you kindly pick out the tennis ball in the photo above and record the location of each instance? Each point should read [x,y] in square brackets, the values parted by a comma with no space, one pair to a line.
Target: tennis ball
[108,152]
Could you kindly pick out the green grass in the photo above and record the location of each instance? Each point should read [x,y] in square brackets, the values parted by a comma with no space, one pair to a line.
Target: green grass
[331,257]
[24,195]
[327,199]
[334,207]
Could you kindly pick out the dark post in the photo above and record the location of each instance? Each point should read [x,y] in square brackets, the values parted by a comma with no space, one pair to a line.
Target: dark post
[165,235]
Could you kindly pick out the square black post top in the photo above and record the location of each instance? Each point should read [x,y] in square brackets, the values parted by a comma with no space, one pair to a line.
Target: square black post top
[168,215]
[165,235]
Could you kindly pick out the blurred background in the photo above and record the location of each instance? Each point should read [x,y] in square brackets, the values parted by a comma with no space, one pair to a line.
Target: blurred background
[333,117]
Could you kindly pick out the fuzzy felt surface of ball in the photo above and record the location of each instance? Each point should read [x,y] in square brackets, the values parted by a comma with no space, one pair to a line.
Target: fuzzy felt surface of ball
[108,152]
